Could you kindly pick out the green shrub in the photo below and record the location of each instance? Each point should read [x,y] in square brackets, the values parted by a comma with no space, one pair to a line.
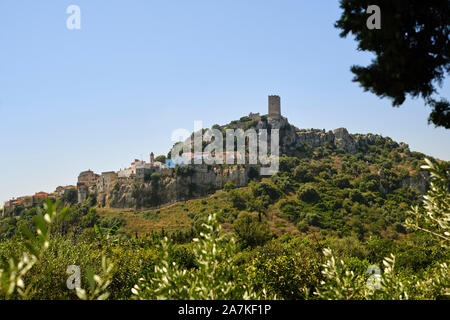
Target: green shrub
[245,119]
[89,220]
[290,209]
[303,174]
[287,270]
[237,199]
[308,194]
[215,278]
[229,186]
[266,189]
[250,231]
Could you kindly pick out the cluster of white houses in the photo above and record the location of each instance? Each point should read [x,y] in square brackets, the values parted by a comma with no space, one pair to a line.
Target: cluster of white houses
[88,180]
[141,164]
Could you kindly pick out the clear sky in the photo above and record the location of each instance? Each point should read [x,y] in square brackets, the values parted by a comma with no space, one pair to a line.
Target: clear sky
[96,98]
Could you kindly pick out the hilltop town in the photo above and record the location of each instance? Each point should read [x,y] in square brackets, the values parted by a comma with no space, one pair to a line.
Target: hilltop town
[156,183]
[89,182]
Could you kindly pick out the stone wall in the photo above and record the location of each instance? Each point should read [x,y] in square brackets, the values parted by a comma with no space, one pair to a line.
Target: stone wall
[275,107]
[201,181]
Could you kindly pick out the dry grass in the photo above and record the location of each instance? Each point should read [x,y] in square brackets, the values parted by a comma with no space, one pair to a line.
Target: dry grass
[176,216]
[170,218]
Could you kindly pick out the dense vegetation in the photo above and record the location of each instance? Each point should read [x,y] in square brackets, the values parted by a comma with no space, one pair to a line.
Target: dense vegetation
[310,232]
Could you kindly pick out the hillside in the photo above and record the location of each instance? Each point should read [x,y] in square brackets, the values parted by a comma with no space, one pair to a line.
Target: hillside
[331,181]
[371,153]
[347,192]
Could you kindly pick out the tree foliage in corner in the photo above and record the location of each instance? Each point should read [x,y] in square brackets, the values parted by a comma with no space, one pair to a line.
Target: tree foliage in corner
[412,50]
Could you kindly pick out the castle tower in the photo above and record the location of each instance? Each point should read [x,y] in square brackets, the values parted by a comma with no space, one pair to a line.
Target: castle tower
[275,107]
[152,158]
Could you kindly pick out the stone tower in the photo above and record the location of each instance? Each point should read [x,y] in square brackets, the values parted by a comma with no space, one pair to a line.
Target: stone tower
[275,107]
[152,158]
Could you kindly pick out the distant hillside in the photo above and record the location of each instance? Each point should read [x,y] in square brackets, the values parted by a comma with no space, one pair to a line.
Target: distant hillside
[335,181]
[381,156]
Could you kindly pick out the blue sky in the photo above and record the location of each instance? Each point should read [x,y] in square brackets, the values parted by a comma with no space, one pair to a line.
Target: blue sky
[98,97]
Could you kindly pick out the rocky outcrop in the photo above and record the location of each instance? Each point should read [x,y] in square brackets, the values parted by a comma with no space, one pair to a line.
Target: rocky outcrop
[292,138]
[343,140]
[196,181]
[314,138]
[418,182]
